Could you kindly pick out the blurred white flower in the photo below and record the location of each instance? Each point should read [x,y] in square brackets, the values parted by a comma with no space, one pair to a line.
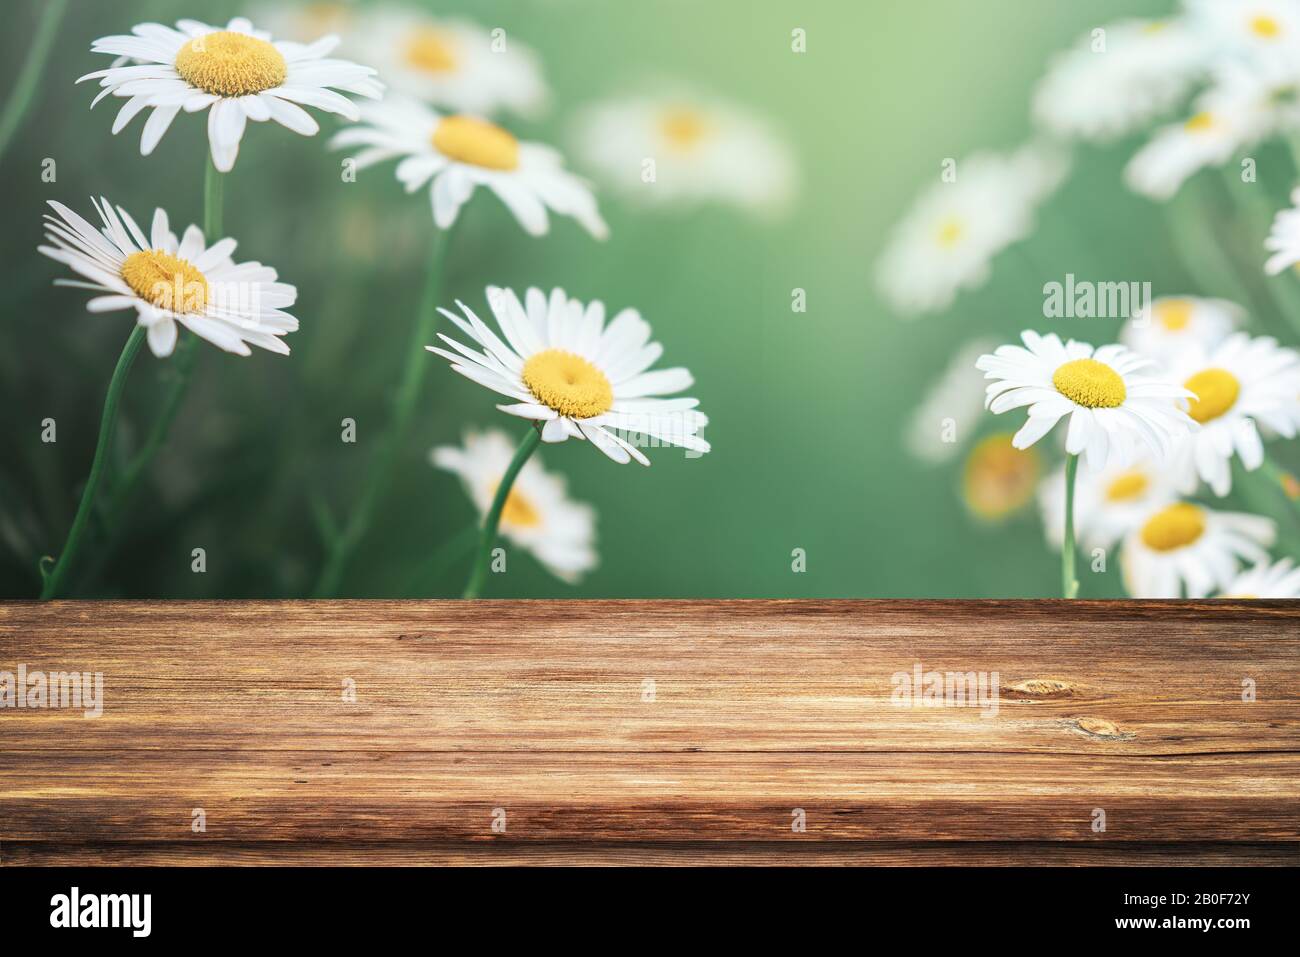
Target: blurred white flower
[956,398]
[1253,94]
[169,281]
[538,515]
[1110,407]
[563,366]
[1284,238]
[702,149]
[237,74]
[947,240]
[1098,92]
[1179,150]
[1247,28]
[1108,502]
[1240,384]
[1186,548]
[454,65]
[1278,580]
[1261,96]
[1172,324]
[455,154]
[305,22]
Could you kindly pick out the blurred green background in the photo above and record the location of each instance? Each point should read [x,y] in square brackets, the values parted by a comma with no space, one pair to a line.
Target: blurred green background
[807,410]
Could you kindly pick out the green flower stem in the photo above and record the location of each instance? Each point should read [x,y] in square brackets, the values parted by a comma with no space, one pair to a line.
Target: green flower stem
[57,578]
[1069,583]
[214,187]
[478,574]
[124,490]
[24,88]
[341,546]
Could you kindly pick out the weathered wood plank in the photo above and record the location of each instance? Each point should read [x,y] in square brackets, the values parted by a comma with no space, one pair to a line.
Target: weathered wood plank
[726,676]
[664,726]
[661,796]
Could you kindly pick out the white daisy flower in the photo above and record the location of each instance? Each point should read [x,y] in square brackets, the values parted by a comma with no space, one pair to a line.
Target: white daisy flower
[1278,580]
[687,149]
[538,515]
[1108,502]
[456,153]
[1249,28]
[946,417]
[1209,138]
[1185,547]
[562,365]
[1238,385]
[169,281]
[237,74]
[1284,238]
[947,240]
[1172,324]
[452,64]
[1111,408]
[1097,93]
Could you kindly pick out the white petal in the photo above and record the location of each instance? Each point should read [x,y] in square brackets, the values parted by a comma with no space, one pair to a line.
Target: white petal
[291,115]
[162,337]
[225,129]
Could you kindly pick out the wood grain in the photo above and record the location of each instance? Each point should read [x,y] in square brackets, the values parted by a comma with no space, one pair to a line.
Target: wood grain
[653,732]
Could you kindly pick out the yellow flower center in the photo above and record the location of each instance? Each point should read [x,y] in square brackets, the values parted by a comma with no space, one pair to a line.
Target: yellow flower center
[167,281]
[1265,26]
[999,478]
[1090,383]
[950,233]
[1174,527]
[1126,487]
[231,64]
[431,50]
[1173,314]
[476,142]
[519,511]
[569,384]
[1216,392]
[683,128]
[1202,122]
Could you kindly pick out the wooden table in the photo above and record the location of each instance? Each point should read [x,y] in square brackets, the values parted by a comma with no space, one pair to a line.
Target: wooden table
[655,732]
